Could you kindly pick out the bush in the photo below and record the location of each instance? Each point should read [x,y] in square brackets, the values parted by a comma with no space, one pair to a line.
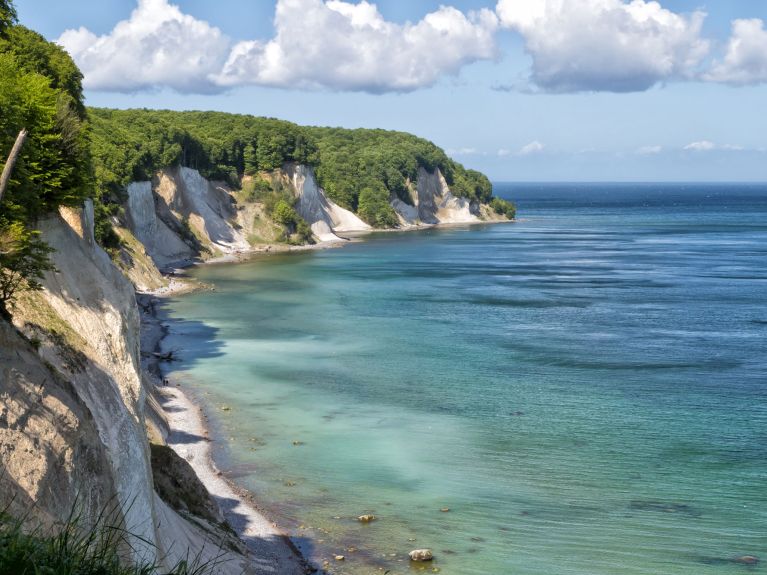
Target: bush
[503,207]
[375,209]
[24,259]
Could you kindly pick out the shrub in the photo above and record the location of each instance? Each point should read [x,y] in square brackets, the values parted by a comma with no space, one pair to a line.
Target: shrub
[375,209]
[503,207]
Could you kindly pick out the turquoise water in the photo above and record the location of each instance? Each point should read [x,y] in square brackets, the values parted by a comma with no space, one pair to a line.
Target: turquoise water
[585,389]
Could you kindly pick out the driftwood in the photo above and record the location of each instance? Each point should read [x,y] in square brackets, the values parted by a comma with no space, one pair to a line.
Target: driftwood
[168,356]
[14,155]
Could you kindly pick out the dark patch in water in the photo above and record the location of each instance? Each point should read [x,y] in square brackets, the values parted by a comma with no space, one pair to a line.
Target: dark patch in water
[747,561]
[664,507]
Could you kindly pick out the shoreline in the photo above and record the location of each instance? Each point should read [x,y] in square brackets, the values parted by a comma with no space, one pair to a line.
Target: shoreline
[271,550]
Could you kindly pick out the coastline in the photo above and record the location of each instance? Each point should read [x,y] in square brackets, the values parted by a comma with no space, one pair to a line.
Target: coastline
[271,550]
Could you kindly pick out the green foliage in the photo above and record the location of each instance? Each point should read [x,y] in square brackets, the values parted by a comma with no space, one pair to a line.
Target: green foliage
[104,231]
[23,261]
[131,145]
[7,15]
[375,209]
[296,229]
[35,54]
[53,168]
[73,549]
[504,207]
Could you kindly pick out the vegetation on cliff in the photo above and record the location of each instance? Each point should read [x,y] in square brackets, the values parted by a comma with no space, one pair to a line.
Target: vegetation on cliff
[40,93]
[74,549]
[359,169]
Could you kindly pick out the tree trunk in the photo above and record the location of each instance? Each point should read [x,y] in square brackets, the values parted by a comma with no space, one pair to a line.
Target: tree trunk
[14,155]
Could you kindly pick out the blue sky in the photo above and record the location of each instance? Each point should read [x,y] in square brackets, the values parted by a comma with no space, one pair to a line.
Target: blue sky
[524,90]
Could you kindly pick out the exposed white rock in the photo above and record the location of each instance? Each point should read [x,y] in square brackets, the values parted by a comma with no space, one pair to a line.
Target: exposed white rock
[97,302]
[434,203]
[162,244]
[324,216]
[421,555]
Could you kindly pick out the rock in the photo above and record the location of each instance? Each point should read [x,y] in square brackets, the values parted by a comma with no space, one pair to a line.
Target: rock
[747,560]
[366,518]
[226,408]
[339,557]
[445,509]
[421,555]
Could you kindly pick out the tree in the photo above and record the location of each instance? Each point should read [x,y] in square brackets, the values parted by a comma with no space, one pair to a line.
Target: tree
[23,262]
[375,209]
[11,161]
[7,15]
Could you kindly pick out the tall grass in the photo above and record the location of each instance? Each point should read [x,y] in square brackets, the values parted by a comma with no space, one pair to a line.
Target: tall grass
[73,549]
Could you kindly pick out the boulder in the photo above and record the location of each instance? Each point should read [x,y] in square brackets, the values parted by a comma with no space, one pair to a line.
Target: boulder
[421,555]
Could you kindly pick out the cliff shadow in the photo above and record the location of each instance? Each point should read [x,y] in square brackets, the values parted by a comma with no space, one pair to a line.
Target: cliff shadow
[274,545]
[184,342]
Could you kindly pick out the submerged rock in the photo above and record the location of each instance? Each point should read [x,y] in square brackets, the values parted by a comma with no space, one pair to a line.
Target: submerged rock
[421,555]
[747,560]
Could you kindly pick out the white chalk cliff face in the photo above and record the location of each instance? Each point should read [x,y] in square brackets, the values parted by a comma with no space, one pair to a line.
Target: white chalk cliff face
[72,408]
[434,203]
[182,217]
[325,217]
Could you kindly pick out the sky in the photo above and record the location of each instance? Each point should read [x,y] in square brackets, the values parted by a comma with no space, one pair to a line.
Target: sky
[523,90]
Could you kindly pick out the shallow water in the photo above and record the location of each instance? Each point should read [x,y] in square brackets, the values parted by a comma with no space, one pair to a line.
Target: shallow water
[585,389]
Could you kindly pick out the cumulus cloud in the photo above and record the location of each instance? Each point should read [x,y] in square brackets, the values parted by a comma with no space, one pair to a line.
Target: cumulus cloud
[708,146]
[534,147]
[317,44]
[745,61]
[463,152]
[347,46]
[649,150]
[702,146]
[605,45]
[157,46]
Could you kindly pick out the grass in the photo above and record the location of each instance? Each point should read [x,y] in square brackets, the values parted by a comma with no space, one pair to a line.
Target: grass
[72,549]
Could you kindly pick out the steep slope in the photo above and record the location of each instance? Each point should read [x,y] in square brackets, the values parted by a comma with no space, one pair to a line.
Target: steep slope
[72,424]
[325,217]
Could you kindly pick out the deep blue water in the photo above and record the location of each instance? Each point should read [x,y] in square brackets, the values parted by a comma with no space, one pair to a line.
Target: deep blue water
[584,389]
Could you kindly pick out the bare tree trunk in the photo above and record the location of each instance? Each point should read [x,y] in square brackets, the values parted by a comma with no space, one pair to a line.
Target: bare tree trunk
[14,155]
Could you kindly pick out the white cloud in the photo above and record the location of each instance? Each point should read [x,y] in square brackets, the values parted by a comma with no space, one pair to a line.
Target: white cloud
[157,46]
[701,146]
[708,146]
[605,45]
[503,152]
[463,152]
[317,44]
[745,61]
[649,150]
[534,147]
[346,46]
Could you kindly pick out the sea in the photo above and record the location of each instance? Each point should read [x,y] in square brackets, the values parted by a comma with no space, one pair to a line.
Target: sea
[580,392]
